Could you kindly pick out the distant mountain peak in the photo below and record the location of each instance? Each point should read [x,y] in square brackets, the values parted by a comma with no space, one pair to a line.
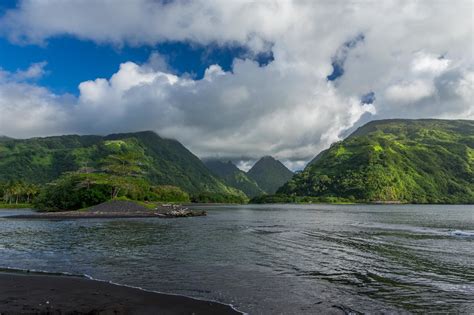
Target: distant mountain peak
[265,160]
[270,174]
[268,158]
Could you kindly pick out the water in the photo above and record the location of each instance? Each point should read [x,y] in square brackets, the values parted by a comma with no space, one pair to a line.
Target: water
[270,259]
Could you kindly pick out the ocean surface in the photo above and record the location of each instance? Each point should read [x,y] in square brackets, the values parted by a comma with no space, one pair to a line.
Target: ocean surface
[270,259]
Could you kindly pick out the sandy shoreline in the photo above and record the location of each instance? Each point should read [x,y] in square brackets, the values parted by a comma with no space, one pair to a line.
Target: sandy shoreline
[42,293]
[116,209]
[85,215]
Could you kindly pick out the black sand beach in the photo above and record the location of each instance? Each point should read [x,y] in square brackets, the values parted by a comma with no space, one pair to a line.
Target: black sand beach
[116,209]
[51,294]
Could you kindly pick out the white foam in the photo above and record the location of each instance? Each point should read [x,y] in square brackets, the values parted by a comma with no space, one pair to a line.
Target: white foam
[12,269]
[462,233]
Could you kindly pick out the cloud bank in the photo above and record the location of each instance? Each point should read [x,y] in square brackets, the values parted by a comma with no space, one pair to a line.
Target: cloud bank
[416,57]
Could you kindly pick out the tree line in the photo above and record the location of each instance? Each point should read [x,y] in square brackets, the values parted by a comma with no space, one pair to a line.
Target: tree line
[15,192]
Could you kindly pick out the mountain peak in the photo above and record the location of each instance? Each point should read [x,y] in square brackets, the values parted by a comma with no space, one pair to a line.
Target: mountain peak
[270,174]
[268,158]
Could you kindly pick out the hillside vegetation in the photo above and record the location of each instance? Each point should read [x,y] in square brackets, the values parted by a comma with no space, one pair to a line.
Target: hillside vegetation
[412,161]
[141,165]
[234,177]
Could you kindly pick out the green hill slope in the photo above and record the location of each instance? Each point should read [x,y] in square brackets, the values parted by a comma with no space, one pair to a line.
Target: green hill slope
[164,161]
[419,161]
[234,177]
[270,174]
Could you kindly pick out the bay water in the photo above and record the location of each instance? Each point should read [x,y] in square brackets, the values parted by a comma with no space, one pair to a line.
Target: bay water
[269,259]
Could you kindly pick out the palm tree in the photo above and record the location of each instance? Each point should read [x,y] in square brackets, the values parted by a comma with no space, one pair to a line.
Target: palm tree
[17,190]
[31,190]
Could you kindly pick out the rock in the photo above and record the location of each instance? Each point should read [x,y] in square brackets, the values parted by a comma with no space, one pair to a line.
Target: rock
[184,212]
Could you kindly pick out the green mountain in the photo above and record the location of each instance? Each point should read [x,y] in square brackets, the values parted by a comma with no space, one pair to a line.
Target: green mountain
[234,177]
[414,161]
[270,174]
[163,161]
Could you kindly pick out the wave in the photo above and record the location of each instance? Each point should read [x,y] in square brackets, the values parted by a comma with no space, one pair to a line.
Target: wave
[42,272]
[462,233]
[415,229]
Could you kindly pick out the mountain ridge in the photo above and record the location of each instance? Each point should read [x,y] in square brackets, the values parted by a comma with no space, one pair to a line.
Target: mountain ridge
[396,160]
[166,161]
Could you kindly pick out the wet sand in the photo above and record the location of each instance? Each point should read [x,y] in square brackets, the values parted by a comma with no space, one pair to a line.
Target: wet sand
[51,294]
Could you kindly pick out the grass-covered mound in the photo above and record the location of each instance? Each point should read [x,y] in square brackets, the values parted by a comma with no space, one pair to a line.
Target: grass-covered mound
[118,206]
[412,161]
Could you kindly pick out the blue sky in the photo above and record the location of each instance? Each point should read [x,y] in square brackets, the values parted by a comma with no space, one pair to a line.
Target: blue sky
[71,61]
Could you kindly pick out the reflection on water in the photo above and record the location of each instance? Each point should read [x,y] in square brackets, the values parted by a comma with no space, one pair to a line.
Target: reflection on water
[272,258]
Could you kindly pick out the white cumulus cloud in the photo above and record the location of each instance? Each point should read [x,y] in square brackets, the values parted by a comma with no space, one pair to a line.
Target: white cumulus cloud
[409,92]
[415,56]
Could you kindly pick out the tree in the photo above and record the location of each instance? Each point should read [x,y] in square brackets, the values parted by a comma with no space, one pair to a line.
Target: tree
[120,166]
[123,164]
[31,190]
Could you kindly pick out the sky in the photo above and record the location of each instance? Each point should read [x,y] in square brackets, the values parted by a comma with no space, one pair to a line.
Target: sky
[233,79]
